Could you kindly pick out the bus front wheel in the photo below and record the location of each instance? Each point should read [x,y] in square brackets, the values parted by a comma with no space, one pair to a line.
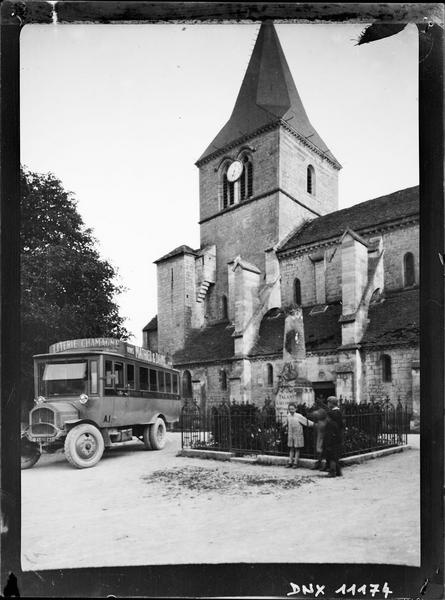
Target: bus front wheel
[84,446]
[158,434]
[29,454]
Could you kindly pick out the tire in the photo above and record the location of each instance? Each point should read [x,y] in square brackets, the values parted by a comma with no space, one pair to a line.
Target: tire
[29,454]
[158,434]
[146,437]
[84,446]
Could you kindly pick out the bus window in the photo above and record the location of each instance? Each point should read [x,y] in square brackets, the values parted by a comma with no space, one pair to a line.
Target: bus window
[93,377]
[130,376]
[143,378]
[161,379]
[119,374]
[153,380]
[109,383]
[175,383]
[168,382]
[68,378]
[42,386]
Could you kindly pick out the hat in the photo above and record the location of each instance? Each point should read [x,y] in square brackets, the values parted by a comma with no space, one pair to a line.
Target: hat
[332,400]
[319,415]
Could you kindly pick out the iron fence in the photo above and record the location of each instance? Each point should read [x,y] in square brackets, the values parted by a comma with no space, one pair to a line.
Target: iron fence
[244,429]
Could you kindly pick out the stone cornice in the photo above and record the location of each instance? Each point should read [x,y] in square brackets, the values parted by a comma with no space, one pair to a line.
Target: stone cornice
[241,140]
[268,127]
[368,346]
[258,197]
[204,361]
[270,356]
[333,241]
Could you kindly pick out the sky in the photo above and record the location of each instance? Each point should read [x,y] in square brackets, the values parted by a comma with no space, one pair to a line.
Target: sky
[120,114]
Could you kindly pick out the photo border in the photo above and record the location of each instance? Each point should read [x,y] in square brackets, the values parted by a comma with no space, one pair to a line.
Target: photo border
[238,579]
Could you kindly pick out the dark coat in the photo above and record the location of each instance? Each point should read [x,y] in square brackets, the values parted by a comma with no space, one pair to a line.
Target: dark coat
[335,415]
[332,439]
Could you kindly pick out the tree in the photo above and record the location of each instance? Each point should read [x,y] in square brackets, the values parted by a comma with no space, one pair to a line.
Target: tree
[67,289]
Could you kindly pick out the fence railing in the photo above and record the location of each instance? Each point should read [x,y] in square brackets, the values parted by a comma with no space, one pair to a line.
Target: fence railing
[244,429]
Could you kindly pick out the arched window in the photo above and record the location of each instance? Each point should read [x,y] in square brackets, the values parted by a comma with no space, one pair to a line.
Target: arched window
[297,291]
[187,384]
[310,180]
[223,379]
[228,189]
[408,269]
[241,189]
[269,374]
[246,179]
[224,307]
[386,368]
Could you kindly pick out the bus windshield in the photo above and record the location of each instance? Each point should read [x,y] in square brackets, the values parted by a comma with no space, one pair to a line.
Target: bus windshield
[57,379]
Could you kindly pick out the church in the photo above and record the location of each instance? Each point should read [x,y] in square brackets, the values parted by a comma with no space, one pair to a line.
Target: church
[284,284]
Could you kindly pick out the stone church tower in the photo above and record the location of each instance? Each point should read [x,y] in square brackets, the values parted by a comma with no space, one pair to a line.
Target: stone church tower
[265,172]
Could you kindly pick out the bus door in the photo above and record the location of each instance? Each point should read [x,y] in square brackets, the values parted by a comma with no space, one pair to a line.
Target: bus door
[113,387]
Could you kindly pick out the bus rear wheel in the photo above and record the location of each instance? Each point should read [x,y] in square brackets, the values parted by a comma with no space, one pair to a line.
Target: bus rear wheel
[84,446]
[146,437]
[29,454]
[158,434]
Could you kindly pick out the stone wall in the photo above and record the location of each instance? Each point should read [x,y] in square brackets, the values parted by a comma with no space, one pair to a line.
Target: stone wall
[401,384]
[259,381]
[247,231]
[302,267]
[176,300]
[294,160]
[344,370]
[265,172]
[396,243]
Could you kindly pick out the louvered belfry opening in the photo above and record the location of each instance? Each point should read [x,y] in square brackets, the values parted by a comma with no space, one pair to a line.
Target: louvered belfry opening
[246,181]
[228,190]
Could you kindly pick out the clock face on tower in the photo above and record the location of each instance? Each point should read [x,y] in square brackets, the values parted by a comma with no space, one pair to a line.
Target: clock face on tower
[234,171]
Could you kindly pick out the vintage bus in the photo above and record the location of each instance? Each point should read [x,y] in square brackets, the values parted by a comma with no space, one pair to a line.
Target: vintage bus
[95,392]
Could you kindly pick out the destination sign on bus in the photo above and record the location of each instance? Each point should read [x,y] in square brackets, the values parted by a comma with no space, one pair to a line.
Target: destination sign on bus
[109,344]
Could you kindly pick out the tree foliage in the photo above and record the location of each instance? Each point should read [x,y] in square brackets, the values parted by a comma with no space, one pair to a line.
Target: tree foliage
[67,289]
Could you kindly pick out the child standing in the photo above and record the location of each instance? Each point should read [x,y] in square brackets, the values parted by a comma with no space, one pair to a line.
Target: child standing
[295,437]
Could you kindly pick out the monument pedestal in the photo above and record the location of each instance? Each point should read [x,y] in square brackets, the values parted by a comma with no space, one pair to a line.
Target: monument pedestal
[292,388]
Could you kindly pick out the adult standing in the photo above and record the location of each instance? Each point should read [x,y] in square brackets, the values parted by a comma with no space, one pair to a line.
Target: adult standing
[319,416]
[333,437]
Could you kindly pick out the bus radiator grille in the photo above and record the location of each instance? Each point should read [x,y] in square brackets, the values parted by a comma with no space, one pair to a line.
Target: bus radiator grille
[42,421]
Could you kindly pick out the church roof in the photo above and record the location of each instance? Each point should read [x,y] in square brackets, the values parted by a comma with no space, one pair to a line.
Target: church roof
[152,325]
[395,320]
[214,342]
[371,213]
[322,331]
[176,252]
[267,95]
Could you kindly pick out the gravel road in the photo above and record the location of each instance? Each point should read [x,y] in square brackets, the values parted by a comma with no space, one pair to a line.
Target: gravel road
[138,508]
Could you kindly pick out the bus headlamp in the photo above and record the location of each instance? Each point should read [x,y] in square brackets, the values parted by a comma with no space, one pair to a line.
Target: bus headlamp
[83,398]
[40,400]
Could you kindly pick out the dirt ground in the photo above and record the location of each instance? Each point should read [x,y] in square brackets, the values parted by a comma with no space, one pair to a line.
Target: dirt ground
[140,508]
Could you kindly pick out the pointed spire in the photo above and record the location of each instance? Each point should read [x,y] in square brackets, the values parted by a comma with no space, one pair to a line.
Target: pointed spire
[267,94]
